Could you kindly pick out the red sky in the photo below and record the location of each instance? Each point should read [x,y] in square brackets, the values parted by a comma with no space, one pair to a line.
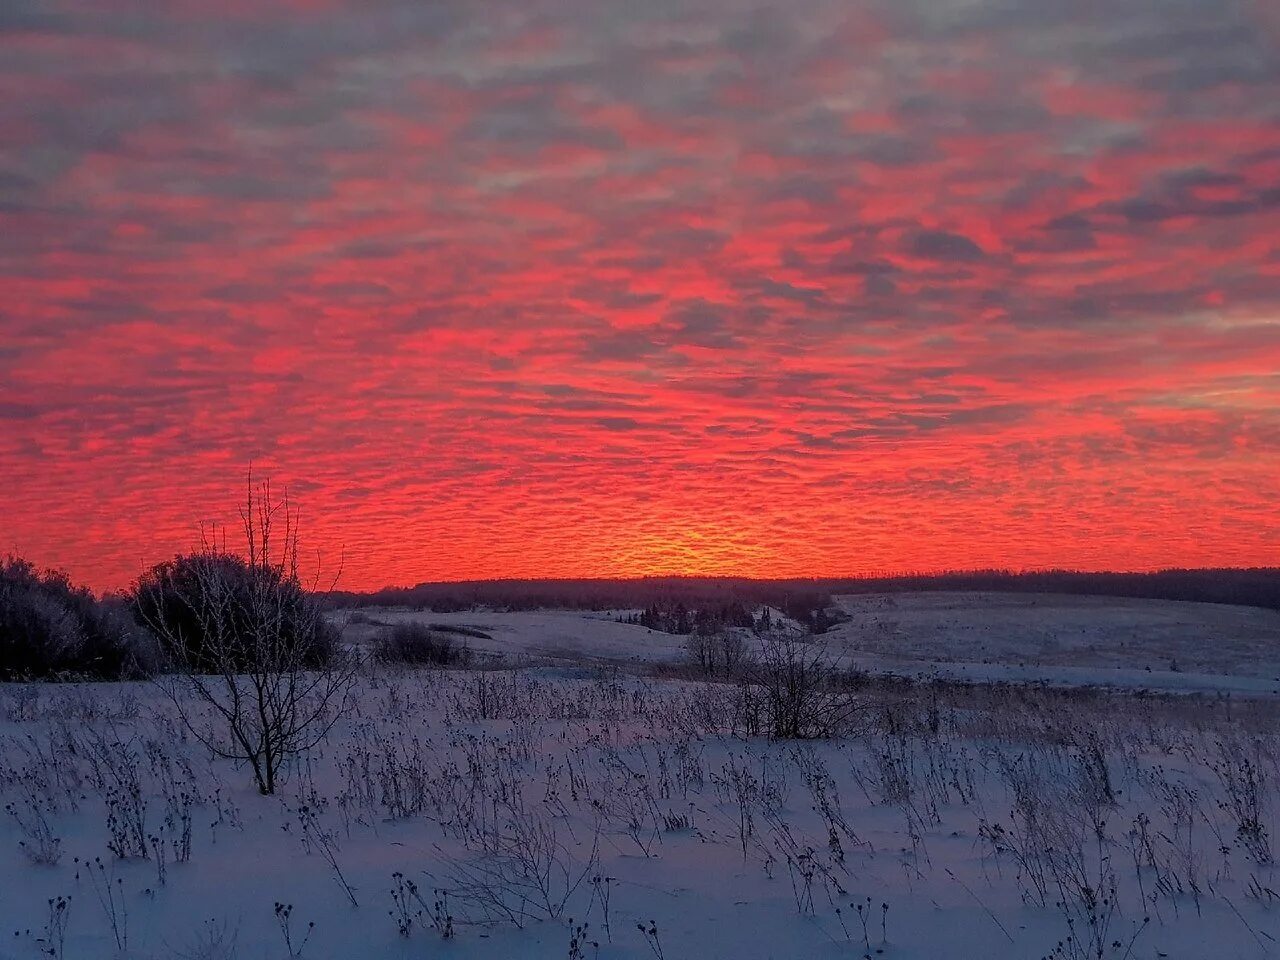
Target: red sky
[611,288]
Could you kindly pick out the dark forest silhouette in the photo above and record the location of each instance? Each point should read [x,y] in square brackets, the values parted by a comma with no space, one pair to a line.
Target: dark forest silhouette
[1256,587]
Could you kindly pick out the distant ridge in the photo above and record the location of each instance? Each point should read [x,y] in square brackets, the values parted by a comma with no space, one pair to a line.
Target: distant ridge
[1254,587]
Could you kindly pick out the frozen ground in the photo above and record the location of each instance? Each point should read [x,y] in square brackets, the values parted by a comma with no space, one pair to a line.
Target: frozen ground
[1058,630]
[1152,644]
[992,821]
[965,824]
[557,636]
[1045,638]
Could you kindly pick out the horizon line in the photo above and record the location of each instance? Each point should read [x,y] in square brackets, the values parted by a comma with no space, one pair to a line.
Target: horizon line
[827,578]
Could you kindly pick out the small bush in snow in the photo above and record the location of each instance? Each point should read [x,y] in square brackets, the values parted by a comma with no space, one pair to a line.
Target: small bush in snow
[802,692]
[417,645]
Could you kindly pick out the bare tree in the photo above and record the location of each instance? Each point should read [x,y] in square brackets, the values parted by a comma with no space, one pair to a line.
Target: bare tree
[723,653]
[248,642]
[700,651]
[734,656]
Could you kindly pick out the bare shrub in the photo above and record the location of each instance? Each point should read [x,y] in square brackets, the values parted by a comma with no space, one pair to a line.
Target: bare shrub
[249,643]
[39,842]
[524,871]
[414,644]
[731,648]
[803,693]
[699,651]
[722,654]
[1244,784]
[215,941]
[209,608]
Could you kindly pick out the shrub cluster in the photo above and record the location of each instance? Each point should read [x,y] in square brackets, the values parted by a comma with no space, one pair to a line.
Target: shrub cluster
[724,654]
[53,629]
[417,645]
[216,611]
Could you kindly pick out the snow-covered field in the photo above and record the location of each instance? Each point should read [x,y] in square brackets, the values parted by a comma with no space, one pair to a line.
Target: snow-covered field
[545,636]
[1048,638]
[1059,630]
[491,814]
[1053,638]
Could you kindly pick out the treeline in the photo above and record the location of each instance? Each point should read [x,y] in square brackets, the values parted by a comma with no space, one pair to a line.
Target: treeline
[634,594]
[670,604]
[680,619]
[1255,587]
[1248,587]
[201,613]
[811,610]
[50,626]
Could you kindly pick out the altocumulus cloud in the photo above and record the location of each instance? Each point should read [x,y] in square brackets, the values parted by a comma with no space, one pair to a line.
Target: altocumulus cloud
[614,288]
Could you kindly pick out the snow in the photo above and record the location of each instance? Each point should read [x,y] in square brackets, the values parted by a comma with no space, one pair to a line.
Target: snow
[647,790]
[563,636]
[1053,630]
[980,637]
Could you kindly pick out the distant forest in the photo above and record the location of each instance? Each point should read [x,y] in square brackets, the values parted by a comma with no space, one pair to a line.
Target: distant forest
[805,600]
[670,604]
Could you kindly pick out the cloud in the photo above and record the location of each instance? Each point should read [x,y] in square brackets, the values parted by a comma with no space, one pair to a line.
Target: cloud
[562,289]
[944,246]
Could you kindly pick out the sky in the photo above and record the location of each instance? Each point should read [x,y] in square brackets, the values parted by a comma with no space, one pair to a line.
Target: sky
[607,288]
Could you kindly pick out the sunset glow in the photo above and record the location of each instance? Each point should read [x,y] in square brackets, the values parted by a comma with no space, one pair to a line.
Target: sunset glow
[612,288]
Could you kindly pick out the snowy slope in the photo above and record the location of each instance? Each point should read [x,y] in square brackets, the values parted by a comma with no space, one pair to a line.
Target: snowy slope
[1034,638]
[1043,636]
[564,635]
